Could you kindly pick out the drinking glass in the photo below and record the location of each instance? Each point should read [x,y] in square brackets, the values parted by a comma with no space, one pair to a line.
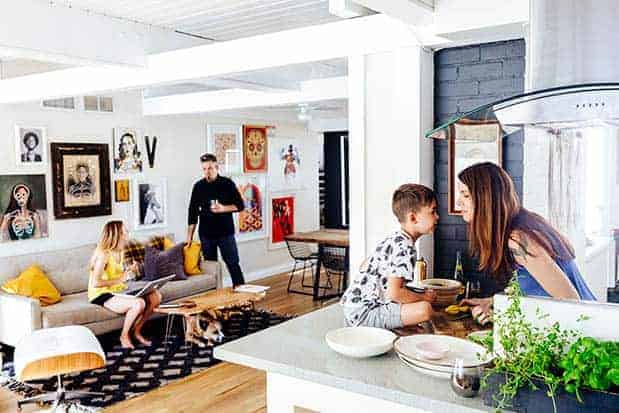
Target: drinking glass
[465,380]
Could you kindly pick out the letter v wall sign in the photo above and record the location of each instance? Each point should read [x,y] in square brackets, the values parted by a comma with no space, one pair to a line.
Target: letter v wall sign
[150,150]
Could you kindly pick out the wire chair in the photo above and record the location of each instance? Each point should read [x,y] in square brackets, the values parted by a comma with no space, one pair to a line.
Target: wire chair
[302,254]
[334,260]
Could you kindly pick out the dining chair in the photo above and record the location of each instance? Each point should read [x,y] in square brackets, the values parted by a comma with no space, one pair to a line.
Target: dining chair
[304,259]
[334,260]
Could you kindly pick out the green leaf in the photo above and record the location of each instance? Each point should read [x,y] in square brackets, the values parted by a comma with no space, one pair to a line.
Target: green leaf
[613,376]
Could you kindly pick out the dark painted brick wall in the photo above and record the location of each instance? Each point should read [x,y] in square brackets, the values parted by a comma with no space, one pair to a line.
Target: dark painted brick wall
[465,78]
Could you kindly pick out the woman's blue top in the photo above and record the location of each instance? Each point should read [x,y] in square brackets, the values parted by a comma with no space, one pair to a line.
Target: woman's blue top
[530,286]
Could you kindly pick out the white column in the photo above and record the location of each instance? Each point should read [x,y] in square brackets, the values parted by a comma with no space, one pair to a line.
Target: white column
[387,122]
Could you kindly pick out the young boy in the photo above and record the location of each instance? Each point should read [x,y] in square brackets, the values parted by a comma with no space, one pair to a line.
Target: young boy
[378,297]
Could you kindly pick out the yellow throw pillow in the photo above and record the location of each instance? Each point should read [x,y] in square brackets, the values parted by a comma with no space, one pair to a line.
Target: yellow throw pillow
[167,243]
[192,258]
[33,283]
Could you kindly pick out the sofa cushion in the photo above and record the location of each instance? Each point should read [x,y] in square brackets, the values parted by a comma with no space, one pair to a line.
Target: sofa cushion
[34,284]
[191,286]
[67,269]
[74,309]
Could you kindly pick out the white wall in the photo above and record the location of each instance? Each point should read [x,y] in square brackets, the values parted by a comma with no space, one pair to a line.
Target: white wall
[389,124]
[181,139]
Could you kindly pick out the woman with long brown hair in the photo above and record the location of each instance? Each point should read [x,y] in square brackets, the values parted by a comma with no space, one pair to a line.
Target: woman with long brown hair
[108,277]
[506,237]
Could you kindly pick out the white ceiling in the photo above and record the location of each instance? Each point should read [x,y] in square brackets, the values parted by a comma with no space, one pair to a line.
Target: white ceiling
[327,109]
[219,20]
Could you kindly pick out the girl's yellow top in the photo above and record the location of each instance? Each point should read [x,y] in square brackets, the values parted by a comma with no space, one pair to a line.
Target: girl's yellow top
[113,271]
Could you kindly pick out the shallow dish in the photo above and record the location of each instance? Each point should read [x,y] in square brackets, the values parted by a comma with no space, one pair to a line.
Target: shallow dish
[360,342]
[458,349]
[441,374]
[432,350]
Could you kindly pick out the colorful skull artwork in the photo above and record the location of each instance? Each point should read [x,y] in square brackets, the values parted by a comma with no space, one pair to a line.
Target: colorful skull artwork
[255,148]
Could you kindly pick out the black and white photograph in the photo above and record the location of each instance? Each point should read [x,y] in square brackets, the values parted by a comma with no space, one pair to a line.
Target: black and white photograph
[81,173]
[30,145]
[81,178]
[150,207]
[23,207]
[127,154]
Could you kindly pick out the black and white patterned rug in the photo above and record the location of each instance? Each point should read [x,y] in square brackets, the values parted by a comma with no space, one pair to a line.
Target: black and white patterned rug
[129,373]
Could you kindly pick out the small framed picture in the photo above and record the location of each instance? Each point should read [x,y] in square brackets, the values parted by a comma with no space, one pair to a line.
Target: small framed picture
[225,142]
[150,203]
[127,153]
[121,190]
[282,211]
[30,146]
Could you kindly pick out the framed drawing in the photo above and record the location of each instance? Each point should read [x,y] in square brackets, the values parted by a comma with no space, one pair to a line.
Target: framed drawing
[285,160]
[282,210]
[127,154]
[226,143]
[23,205]
[121,190]
[81,179]
[251,222]
[255,149]
[150,204]
[30,146]
[471,142]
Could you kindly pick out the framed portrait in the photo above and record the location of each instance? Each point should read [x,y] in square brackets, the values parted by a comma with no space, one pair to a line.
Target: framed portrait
[251,222]
[255,149]
[226,143]
[23,205]
[30,146]
[127,151]
[81,178]
[285,160]
[150,203]
[121,190]
[282,210]
[471,142]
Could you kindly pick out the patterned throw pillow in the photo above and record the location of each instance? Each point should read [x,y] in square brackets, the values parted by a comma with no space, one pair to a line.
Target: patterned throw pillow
[158,242]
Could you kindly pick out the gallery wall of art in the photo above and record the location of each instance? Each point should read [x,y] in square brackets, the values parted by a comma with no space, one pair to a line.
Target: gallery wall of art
[67,217]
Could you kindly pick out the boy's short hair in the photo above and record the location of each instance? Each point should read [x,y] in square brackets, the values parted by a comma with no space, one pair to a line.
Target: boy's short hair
[410,198]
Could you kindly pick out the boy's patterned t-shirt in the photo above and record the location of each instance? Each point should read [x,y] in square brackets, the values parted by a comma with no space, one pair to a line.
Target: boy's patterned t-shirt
[394,257]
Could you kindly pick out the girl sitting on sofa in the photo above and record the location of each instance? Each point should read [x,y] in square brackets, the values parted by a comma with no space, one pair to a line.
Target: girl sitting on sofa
[107,277]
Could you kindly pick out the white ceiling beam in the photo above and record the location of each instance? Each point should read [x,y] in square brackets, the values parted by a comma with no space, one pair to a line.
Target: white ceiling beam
[46,31]
[271,85]
[201,102]
[347,9]
[364,35]
[413,13]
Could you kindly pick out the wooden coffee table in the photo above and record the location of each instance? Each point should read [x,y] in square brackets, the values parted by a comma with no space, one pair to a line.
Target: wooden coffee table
[213,300]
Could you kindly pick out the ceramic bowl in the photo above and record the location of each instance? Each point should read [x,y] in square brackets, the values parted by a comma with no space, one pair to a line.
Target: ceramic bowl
[432,350]
[360,342]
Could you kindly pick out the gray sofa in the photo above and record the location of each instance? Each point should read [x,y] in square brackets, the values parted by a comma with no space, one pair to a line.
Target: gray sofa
[68,271]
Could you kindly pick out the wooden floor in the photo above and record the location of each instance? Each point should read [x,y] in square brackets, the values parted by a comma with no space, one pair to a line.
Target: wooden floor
[224,388]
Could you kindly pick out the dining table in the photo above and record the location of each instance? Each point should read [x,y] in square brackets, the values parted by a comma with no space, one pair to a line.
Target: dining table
[324,238]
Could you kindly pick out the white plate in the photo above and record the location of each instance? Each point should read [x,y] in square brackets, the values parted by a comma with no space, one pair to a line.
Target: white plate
[430,372]
[251,288]
[458,349]
[360,342]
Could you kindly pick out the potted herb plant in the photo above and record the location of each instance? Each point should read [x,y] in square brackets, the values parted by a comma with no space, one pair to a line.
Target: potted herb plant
[544,369]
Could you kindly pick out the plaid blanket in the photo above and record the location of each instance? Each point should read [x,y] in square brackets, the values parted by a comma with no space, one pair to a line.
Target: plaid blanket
[135,251]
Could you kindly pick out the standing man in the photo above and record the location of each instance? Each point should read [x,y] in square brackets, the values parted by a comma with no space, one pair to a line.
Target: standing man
[213,199]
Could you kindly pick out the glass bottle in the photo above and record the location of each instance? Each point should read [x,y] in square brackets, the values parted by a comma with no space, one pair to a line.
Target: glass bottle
[458,271]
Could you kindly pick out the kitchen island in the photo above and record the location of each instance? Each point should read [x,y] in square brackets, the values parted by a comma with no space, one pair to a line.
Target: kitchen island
[302,371]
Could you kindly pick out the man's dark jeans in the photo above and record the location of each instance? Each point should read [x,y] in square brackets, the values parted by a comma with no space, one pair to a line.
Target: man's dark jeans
[229,253]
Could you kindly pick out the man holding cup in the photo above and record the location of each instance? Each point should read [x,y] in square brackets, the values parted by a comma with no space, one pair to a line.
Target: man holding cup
[213,200]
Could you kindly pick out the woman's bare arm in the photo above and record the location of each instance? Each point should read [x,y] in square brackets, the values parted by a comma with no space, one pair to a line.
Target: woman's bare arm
[541,266]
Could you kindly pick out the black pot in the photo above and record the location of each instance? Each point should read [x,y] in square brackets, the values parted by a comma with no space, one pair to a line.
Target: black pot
[537,401]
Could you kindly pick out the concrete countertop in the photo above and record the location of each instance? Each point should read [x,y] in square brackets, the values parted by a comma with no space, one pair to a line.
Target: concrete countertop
[297,348]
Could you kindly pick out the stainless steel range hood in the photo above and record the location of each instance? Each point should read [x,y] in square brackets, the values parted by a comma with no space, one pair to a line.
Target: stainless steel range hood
[573,63]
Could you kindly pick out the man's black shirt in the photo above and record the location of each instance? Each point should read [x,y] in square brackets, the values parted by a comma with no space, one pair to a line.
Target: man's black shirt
[225,192]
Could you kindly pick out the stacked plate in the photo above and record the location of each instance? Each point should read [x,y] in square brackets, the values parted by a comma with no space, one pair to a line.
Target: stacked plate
[446,290]
[472,354]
